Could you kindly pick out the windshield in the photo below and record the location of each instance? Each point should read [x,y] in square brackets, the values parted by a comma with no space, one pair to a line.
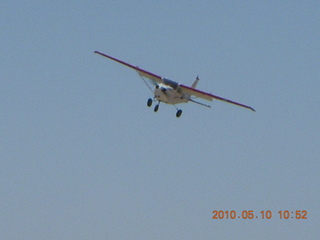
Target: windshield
[170,83]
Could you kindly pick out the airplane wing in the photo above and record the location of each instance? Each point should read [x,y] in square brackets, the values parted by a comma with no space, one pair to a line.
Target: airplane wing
[141,72]
[209,96]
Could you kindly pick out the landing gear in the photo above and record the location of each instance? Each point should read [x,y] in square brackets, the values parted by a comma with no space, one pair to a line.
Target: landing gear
[156,108]
[179,112]
[149,104]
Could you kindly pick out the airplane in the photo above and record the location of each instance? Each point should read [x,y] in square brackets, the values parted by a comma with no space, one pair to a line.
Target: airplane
[171,92]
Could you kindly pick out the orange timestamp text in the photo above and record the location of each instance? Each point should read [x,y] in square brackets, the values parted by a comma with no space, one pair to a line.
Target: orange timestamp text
[250,214]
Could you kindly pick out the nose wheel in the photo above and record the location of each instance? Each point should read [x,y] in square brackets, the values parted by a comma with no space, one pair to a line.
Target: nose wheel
[149,104]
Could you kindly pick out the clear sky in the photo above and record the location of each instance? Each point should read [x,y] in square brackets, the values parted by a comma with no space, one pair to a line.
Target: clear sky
[83,157]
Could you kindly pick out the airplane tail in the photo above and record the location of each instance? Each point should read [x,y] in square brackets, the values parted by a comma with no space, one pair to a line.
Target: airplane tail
[194,84]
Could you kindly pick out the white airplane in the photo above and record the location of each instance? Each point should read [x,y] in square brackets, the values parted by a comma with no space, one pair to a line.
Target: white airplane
[171,92]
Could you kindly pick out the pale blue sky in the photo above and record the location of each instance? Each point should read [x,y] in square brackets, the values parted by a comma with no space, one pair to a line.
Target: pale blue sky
[83,157]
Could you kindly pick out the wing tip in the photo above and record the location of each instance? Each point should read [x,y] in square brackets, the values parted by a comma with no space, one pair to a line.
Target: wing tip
[252,109]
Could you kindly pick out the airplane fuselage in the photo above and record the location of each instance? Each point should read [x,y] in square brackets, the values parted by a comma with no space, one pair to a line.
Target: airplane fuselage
[169,95]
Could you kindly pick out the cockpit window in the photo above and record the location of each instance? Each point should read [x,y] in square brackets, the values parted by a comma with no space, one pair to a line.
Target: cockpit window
[171,83]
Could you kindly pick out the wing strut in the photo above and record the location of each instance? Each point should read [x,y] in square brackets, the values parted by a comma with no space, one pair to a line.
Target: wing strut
[202,104]
[145,82]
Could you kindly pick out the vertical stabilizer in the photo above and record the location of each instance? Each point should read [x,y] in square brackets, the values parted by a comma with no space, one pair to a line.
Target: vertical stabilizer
[194,84]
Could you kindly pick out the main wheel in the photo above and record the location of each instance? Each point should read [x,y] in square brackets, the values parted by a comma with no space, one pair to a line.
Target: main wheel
[156,108]
[179,112]
[149,103]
